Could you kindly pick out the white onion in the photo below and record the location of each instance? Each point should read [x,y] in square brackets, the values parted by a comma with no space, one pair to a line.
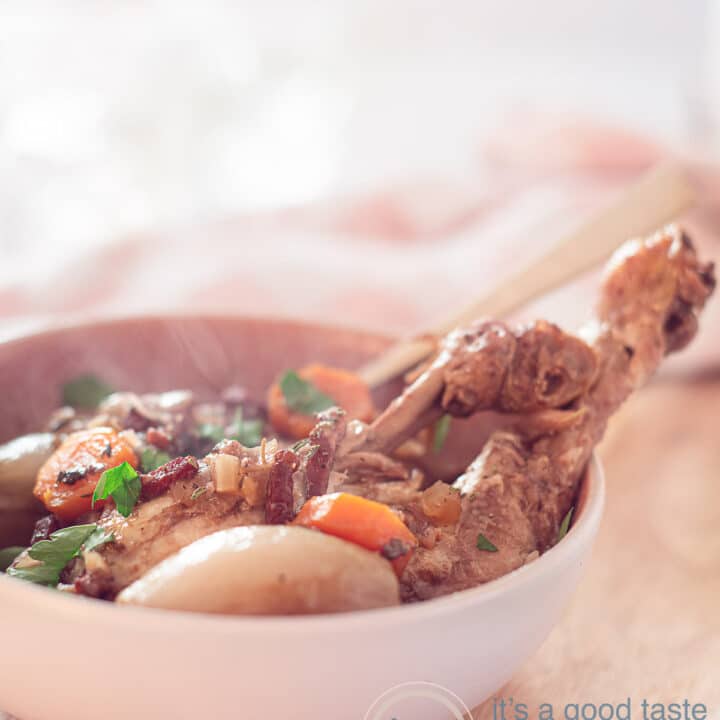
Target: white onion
[267,570]
[20,460]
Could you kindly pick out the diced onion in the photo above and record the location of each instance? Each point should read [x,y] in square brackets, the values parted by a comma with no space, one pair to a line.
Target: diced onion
[441,504]
[253,490]
[226,473]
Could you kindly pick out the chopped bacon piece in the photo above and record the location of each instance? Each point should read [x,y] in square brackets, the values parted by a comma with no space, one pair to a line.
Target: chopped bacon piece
[324,439]
[44,527]
[94,585]
[159,480]
[280,498]
[137,420]
[158,438]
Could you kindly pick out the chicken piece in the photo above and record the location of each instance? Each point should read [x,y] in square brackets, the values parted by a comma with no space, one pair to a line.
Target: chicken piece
[523,484]
[189,508]
[488,366]
[323,443]
[496,492]
[304,471]
[184,502]
[157,529]
[370,465]
[280,499]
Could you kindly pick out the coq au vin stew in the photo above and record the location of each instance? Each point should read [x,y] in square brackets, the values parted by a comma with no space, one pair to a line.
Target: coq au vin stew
[316,501]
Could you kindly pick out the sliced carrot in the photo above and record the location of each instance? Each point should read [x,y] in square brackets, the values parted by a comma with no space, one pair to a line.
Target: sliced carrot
[367,523]
[98,449]
[347,389]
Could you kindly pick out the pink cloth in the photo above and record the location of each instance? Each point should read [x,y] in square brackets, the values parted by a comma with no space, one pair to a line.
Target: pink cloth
[393,260]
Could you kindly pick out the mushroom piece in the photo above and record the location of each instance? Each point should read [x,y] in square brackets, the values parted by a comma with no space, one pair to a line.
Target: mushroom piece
[20,460]
[267,570]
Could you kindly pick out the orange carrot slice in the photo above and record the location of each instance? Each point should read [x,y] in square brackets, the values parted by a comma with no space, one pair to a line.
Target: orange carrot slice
[343,387]
[66,482]
[367,523]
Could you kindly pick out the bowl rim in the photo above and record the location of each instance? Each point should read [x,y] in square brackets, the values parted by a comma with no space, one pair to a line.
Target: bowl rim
[65,607]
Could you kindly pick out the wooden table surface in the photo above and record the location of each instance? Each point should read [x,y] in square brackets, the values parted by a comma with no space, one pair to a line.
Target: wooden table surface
[645,621]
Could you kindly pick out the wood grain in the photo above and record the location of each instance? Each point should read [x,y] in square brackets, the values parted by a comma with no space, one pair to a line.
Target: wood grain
[645,622]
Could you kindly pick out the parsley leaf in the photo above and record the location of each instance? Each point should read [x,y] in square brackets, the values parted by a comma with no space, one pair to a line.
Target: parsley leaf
[152,458]
[7,555]
[98,538]
[216,433]
[484,544]
[302,396]
[56,552]
[442,428]
[247,432]
[198,492]
[123,484]
[43,574]
[85,391]
[565,524]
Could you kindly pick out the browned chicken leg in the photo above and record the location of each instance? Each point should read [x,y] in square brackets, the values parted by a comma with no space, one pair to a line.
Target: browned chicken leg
[489,366]
[518,490]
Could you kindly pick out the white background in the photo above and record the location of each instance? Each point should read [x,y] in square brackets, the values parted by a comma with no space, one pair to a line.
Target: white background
[117,116]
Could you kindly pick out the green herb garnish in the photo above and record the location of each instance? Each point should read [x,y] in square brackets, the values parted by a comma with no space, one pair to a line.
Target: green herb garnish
[85,391]
[565,524]
[7,555]
[247,432]
[216,433]
[484,544]
[56,552]
[151,458]
[300,445]
[98,538]
[123,484]
[302,396]
[198,492]
[442,428]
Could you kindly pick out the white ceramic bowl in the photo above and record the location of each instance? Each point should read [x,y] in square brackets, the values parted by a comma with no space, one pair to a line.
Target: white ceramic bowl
[70,658]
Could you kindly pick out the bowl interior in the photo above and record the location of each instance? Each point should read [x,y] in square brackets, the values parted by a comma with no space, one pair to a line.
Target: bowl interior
[203,354]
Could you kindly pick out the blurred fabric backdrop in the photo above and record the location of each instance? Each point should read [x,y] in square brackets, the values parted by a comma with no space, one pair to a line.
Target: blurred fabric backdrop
[368,163]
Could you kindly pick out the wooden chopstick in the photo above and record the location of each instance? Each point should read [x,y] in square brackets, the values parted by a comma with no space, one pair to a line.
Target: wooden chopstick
[658,197]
